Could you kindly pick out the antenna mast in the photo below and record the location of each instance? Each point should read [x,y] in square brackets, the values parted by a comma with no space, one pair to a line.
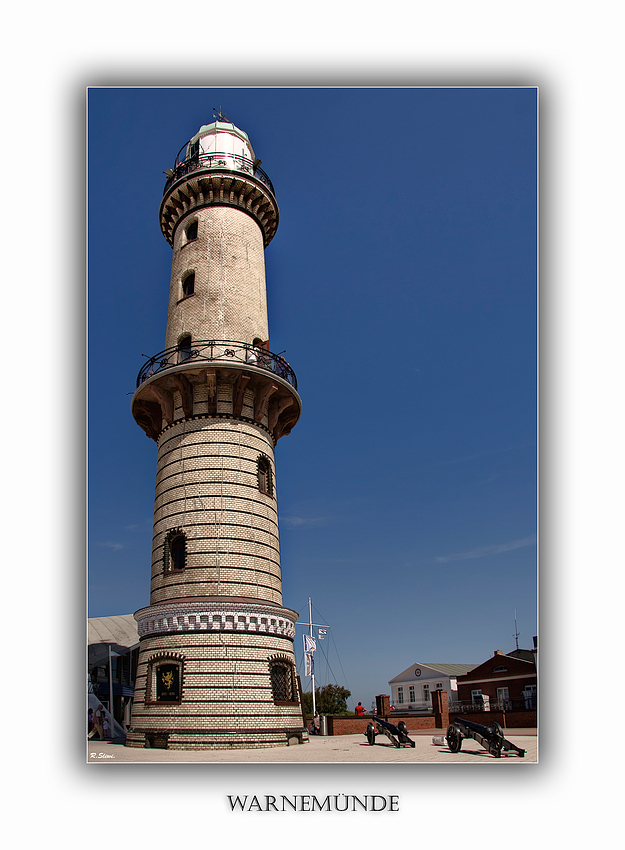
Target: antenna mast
[516,633]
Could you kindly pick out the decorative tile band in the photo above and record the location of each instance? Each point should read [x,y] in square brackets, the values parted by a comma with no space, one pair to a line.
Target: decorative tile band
[195,617]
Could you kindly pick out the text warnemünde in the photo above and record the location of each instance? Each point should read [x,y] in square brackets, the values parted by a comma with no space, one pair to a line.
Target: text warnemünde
[311,803]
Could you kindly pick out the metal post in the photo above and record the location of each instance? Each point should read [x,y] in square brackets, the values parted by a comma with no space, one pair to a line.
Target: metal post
[111,688]
[313,669]
[111,656]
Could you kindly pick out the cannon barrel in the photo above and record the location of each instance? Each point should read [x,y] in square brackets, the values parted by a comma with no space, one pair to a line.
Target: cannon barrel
[386,724]
[476,727]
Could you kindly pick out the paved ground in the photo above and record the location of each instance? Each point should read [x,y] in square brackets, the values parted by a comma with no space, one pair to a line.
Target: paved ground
[327,750]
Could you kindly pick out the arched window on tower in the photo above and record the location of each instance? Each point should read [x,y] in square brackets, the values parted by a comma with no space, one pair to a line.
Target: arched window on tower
[191,232]
[188,285]
[184,348]
[283,685]
[265,478]
[175,551]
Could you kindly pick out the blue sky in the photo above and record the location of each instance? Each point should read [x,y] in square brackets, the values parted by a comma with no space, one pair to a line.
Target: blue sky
[402,284]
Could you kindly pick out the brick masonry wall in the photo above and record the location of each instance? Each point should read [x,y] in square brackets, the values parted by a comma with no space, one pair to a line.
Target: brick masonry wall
[230,301]
[342,725]
[207,486]
[226,693]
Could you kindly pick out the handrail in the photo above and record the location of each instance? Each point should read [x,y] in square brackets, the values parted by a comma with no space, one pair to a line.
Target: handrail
[217,350]
[216,160]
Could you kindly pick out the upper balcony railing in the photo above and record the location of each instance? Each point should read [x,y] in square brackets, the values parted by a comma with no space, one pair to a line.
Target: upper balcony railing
[221,352]
[216,161]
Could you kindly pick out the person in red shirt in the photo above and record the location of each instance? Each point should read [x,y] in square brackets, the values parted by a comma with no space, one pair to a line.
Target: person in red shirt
[360,709]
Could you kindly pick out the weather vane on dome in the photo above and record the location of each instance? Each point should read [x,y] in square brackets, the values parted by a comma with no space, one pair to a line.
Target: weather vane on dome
[220,115]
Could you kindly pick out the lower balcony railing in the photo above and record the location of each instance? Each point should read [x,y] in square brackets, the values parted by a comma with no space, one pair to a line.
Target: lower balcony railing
[217,351]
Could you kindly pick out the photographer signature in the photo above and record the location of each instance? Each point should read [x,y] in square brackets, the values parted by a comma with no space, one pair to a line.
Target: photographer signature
[101,756]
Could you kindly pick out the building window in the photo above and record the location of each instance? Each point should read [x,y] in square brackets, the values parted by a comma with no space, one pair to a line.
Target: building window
[175,551]
[400,696]
[188,286]
[184,348]
[426,693]
[283,687]
[411,694]
[500,669]
[191,232]
[265,478]
[503,696]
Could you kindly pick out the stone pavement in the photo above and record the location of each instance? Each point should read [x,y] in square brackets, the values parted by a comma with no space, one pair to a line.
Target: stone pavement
[348,749]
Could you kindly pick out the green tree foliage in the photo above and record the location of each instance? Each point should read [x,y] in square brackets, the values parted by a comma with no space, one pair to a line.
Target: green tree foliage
[331,699]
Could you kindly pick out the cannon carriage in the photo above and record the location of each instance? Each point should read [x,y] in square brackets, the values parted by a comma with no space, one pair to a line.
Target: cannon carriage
[397,735]
[490,737]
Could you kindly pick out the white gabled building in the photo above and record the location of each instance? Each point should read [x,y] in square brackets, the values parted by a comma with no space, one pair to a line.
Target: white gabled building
[411,690]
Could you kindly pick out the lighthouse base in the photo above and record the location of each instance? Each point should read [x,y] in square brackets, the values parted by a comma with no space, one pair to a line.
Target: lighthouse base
[215,676]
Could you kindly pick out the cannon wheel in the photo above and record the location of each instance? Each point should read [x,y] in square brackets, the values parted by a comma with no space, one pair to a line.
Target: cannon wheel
[497,736]
[454,738]
[370,733]
[402,727]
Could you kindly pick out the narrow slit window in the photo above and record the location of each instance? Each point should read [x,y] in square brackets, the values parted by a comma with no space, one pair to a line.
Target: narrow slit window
[184,349]
[265,480]
[175,551]
[188,285]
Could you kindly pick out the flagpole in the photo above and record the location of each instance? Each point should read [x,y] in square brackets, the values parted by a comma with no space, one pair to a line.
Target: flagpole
[313,669]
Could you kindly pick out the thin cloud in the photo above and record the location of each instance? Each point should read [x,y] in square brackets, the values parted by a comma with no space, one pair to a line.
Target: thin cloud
[301,522]
[110,545]
[483,551]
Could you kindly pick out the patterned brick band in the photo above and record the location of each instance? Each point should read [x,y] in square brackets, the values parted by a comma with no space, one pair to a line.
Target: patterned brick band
[198,617]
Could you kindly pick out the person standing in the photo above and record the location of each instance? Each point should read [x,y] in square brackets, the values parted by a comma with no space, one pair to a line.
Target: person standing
[360,709]
[98,723]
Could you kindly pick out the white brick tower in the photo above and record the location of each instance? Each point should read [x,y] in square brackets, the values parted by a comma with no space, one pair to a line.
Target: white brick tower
[216,663]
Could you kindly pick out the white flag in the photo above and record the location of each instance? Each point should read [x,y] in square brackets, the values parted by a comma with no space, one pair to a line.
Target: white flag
[310,644]
[310,665]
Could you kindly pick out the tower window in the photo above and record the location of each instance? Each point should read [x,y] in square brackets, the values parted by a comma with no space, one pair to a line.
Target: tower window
[184,348]
[283,687]
[191,231]
[188,285]
[175,551]
[265,479]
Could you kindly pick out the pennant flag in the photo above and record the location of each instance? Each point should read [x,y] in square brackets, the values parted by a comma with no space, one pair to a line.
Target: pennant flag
[310,644]
[322,633]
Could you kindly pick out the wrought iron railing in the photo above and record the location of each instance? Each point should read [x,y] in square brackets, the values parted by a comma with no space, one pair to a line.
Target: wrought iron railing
[218,161]
[218,351]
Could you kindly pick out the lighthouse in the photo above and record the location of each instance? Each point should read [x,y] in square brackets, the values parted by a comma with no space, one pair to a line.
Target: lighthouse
[216,664]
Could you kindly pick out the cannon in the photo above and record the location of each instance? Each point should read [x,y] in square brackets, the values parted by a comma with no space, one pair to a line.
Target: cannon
[490,737]
[398,735]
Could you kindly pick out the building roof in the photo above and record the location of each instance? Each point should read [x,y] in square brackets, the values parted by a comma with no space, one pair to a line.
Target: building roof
[499,666]
[431,670]
[120,632]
